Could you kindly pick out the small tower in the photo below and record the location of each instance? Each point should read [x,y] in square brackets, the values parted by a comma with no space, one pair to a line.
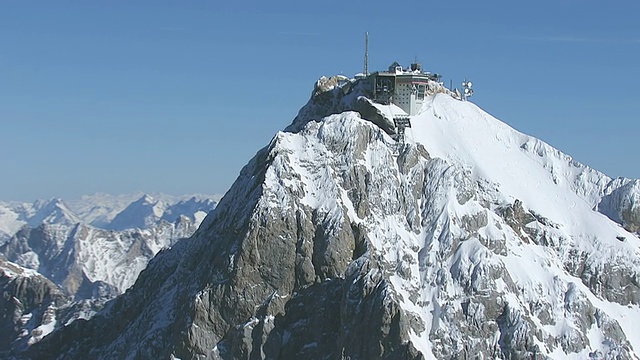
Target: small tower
[366,53]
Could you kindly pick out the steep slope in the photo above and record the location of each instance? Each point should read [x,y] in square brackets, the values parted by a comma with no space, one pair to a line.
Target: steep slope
[28,306]
[470,240]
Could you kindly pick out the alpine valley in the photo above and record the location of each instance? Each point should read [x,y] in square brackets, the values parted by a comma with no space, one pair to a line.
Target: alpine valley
[341,239]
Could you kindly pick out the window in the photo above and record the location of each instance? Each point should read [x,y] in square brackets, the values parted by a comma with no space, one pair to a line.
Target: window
[421,90]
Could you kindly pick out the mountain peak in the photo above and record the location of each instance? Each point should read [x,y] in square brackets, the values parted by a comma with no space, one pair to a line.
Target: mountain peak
[147,200]
[140,214]
[342,239]
[53,211]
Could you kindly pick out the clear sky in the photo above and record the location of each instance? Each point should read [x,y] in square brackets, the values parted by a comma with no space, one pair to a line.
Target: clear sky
[176,96]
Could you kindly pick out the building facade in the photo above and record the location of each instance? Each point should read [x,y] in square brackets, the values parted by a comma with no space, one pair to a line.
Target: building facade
[404,88]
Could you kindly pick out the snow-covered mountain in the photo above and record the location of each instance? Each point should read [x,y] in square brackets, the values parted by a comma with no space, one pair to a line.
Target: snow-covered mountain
[139,214]
[10,222]
[192,206]
[16,215]
[87,261]
[147,211]
[53,211]
[469,240]
[100,210]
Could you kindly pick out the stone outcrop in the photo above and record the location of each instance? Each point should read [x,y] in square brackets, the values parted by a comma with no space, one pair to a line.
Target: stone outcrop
[28,306]
[622,205]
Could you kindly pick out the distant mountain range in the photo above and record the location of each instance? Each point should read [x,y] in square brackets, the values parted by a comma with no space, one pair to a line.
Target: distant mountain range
[104,211]
[62,260]
[99,241]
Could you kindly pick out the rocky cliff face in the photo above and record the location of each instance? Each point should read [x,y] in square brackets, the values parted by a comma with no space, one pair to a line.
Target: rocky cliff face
[32,307]
[469,241]
[622,204]
[28,306]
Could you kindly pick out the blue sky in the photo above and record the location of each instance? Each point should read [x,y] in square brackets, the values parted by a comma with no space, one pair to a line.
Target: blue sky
[176,96]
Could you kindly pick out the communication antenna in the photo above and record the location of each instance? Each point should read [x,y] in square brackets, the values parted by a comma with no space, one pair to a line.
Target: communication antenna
[466,89]
[366,53]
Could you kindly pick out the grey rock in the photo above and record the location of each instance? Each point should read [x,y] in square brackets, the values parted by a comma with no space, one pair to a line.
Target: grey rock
[622,204]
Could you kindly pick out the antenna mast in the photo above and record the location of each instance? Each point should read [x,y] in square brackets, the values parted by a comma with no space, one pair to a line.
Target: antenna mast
[366,53]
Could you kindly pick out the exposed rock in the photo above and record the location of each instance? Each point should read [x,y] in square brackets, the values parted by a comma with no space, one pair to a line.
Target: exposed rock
[622,204]
[369,112]
[27,305]
[325,84]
